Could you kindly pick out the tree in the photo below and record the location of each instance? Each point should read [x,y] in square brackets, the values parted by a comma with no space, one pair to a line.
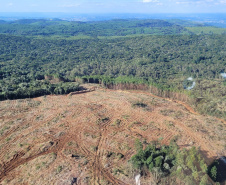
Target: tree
[213,173]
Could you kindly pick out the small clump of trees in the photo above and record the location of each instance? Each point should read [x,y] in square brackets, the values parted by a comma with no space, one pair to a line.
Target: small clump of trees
[217,170]
[169,163]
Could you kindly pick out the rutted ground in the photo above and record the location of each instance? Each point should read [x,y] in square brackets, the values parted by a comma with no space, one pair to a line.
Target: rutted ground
[88,138]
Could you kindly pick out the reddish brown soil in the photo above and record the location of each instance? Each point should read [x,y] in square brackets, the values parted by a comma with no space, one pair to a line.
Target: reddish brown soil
[90,137]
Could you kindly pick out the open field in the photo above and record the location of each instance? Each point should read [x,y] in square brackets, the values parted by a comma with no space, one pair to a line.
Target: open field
[88,138]
[206,30]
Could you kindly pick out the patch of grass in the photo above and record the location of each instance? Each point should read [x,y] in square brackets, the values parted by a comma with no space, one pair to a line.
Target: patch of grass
[70,143]
[169,123]
[105,119]
[8,139]
[125,117]
[151,123]
[139,104]
[117,171]
[131,125]
[153,102]
[10,123]
[120,156]
[144,128]
[109,154]
[86,134]
[4,129]
[38,167]
[149,109]
[117,122]
[137,122]
[56,119]
[178,114]
[93,136]
[206,30]
[94,148]
[114,133]
[166,112]
[39,117]
[85,162]
[62,125]
[54,155]
[59,169]
[103,182]
[102,120]
[6,181]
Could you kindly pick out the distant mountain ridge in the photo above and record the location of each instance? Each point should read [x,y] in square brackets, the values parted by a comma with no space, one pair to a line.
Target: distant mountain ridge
[212,19]
[116,27]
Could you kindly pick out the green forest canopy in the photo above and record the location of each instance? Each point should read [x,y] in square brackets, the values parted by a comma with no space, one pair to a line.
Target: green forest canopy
[116,51]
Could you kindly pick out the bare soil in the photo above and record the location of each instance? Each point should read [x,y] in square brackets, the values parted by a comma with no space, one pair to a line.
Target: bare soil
[88,138]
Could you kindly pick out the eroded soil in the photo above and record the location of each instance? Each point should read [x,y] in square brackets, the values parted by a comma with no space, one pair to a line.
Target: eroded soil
[89,138]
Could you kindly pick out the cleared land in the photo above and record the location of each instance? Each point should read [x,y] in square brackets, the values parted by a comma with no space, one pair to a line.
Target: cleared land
[88,138]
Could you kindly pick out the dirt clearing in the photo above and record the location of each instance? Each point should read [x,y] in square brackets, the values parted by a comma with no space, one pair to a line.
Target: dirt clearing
[88,138]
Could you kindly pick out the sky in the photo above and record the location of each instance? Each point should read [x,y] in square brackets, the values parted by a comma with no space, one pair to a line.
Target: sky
[114,6]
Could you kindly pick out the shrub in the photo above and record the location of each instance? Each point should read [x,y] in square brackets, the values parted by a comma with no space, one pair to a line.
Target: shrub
[139,104]
[162,161]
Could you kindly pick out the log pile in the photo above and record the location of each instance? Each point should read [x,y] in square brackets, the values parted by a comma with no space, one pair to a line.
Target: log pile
[83,91]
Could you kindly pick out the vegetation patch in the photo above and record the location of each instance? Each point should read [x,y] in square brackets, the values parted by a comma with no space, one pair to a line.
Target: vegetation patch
[59,169]
[169,161]
[217,170]
[139,104]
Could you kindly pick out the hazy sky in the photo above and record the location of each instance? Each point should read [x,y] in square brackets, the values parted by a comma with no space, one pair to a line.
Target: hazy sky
[114,6]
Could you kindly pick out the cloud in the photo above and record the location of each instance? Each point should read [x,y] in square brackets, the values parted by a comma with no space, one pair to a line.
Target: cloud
[210,2]
[183,2]
[10,4]
[150,1]
[195,2]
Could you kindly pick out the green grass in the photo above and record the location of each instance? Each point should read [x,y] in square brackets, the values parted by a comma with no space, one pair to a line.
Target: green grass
[207,30]
[60,37]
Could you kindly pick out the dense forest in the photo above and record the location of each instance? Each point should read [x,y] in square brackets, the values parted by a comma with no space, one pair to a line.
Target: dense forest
[34,27]
[116,52]
[119,27]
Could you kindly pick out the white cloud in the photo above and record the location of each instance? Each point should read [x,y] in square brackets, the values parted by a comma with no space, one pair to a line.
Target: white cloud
[150,1]
[194,2]
[182,2]
[10,4]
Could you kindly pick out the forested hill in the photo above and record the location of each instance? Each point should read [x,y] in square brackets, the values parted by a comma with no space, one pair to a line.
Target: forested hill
[119,27]
[39,57]
[163,61]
